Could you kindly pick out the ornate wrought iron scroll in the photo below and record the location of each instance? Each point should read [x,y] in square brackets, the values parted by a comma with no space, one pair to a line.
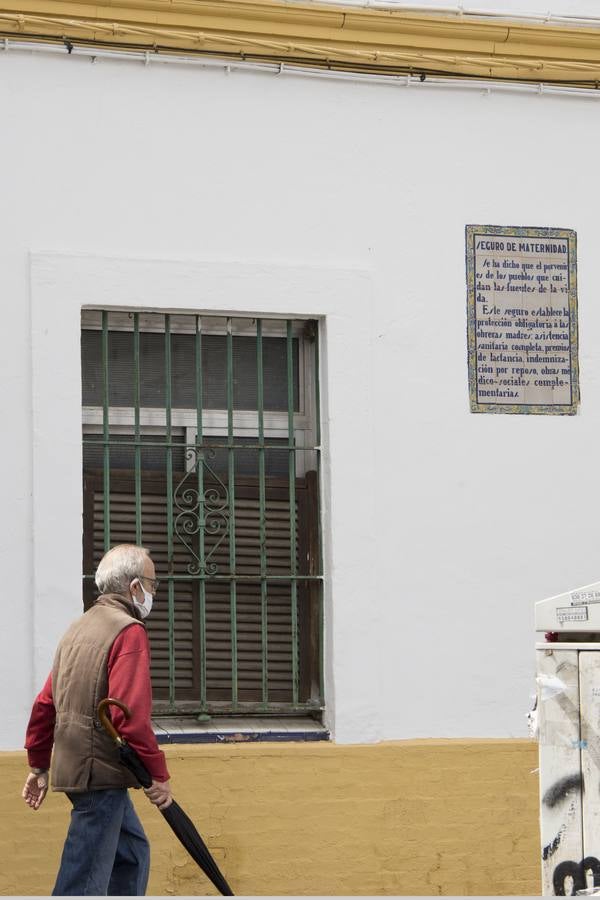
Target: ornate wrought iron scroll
[201,511]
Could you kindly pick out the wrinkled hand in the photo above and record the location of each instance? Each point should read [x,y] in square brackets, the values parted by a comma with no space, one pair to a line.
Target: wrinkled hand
[159,793]
[36,788]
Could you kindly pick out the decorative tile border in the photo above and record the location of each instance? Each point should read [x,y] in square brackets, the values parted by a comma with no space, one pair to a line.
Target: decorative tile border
[474,234]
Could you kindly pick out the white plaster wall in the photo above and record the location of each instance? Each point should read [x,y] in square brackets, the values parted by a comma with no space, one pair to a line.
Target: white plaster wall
[443,527]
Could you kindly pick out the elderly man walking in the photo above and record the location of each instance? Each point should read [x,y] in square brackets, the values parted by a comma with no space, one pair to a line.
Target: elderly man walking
[104,653]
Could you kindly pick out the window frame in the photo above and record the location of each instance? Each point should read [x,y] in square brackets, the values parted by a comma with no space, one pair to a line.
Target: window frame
[183,421]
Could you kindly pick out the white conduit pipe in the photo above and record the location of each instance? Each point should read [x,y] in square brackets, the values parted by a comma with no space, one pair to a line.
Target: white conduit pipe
[459,10]
[148,58]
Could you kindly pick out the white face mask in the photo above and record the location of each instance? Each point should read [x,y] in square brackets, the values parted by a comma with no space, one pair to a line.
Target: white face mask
[144,608]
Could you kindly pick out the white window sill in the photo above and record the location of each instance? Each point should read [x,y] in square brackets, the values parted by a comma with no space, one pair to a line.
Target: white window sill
[175,730]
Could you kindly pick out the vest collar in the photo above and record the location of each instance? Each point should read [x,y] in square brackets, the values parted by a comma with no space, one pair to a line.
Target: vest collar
[119,601]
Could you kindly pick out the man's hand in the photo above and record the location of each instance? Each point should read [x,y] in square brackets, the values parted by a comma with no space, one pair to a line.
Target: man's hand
[159,793]
[36,788]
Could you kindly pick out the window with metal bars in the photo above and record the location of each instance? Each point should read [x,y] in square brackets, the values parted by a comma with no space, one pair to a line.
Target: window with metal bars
[201,442]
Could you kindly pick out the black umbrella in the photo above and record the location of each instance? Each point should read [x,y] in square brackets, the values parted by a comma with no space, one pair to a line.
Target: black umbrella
[181,824]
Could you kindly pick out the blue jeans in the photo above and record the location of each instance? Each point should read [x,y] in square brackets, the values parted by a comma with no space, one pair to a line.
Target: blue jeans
[106,851]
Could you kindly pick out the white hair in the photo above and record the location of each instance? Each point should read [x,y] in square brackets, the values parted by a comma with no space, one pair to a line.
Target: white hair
[118,568]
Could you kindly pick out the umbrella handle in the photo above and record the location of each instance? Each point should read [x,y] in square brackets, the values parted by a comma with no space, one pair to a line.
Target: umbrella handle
[106,723]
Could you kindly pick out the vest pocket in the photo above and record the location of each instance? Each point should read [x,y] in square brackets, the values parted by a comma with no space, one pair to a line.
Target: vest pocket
[72,756]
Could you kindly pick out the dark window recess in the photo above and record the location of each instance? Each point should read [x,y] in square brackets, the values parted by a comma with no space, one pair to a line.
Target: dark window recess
[122,452]
[232,527]
[246,461]
[183,380]
[186,638]
[154,457]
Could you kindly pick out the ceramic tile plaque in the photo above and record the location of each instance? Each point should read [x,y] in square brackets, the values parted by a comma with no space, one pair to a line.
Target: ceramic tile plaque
[522,320]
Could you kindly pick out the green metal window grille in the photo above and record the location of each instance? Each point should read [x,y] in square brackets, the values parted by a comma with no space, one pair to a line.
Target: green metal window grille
[201,441]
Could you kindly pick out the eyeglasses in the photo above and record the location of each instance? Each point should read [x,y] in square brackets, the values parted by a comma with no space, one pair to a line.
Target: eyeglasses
[153,581]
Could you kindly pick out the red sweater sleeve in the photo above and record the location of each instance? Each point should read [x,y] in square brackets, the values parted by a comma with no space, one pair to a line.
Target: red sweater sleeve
[40,730]
[129,681]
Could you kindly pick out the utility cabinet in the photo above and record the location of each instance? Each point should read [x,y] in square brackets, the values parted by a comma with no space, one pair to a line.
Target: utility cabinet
[568,715]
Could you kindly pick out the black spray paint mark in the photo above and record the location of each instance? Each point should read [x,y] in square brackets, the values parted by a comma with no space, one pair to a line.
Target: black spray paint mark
[550,848]
[557,793]
[559,790]
[577,872]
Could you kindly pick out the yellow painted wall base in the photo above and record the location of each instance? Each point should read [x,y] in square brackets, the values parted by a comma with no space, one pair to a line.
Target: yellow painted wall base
[412,817]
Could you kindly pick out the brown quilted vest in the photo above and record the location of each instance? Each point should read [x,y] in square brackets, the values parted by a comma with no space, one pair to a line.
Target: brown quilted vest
[84,757]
